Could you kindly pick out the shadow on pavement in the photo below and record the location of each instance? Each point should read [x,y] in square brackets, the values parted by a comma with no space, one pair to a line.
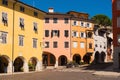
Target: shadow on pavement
[100,67]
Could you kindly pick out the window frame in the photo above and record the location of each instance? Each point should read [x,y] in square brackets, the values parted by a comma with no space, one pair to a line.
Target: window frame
[3,36]
[118,21]
[55,20]
[47,20]
[5,18]
[5,2]
[46,33]
[84,35]
[55,44]
[82,23]
[35,42]
[90,45]
[66,20]
[21,40]
[35,26]
[22,9]
[82,45]
[35,14]
[75,44]
[21,23]
[118,4]
[47,44]
[66,44]
[55,33]
[66,33]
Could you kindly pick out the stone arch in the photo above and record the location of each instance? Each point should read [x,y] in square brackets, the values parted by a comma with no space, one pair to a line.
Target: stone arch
[48,59]
[96,57]
[103,55]
[5,64]
[77,58]
[33,64]
[20,64]
[87,58]
[62,60]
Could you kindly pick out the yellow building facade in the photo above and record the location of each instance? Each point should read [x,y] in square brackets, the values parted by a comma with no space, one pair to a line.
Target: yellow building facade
[82,42]
[21,34]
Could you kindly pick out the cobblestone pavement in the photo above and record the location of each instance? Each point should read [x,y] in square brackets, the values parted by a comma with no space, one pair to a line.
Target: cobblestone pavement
[58,74]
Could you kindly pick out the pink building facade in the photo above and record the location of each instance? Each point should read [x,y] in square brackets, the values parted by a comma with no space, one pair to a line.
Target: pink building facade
[56,51]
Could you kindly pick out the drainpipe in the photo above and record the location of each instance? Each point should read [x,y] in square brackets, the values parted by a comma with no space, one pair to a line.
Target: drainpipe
[86,40]
[70,40]
[14,3]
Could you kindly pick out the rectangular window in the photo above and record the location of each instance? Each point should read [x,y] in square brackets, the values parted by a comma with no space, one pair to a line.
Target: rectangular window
[34,43]
[87,24]
[75,34]
[118,21]
[82,34]
[21,39]
[22,23]
[3,37]
[55,20]
[66,44]
[82,45]
[89,35]
[66,20]
[90,45]
[46,33]
[35,14]
[75,23]
[4,18]
[118,4]
[46,44]
[35,27]
[55,44]
[5,2]
[22,9]
[66,33]
[75,44]
[46,20]
[81,24]
[55,33]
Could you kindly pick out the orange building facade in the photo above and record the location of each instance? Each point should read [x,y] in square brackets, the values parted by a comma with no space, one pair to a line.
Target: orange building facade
[82,42]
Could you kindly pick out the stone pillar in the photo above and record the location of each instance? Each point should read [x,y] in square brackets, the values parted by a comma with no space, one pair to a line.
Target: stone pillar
[25,67]
[9,68]
[116,57]
[39,66]
[106,57]
[56,65]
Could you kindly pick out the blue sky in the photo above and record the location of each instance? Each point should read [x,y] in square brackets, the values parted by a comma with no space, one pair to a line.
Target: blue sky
[92,7]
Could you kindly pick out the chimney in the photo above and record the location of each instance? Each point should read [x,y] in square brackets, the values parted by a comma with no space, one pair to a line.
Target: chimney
[51,10]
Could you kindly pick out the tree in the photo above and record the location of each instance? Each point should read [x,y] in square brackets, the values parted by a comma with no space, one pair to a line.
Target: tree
[102,20]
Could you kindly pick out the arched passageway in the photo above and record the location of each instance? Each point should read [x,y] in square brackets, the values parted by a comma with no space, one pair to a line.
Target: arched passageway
[77,58]
[18,64]
[96,57]
[32,64]
[48,59]
[103,55]
[4,62]
[87,58]
[62,60]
